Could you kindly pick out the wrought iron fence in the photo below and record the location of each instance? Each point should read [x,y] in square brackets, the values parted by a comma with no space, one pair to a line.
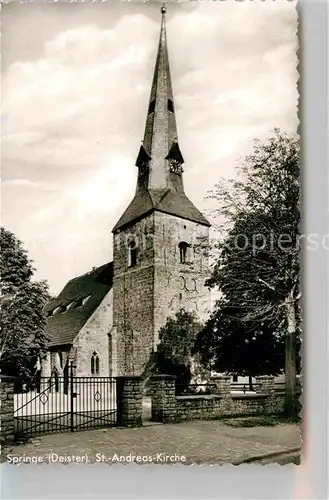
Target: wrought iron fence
[66,404]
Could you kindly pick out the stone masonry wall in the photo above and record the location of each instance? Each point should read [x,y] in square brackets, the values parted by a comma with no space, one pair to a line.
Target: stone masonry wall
[198,407]
[274,401]
[250,404]
[133,293]
[212,406]
[179,285]
[6,410]
[158,286]
[204,407]
[93,337]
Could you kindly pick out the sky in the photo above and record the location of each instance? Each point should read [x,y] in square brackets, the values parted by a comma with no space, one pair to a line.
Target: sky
[75,91]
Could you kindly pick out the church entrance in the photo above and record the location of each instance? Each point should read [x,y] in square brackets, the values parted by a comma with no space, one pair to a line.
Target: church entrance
[65,404]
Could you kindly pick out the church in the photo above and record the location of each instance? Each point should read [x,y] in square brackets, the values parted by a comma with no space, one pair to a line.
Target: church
[107,321]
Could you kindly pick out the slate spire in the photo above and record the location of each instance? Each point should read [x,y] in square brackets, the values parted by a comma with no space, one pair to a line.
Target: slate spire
[159,159]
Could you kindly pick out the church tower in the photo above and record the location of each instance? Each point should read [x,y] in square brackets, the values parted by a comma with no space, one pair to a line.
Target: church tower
[160,242]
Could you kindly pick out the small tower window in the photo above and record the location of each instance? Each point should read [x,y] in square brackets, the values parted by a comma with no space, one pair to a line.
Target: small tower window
[85,300]
[170,106]
[94,364]
[132,254]
[151,107]
[183,252]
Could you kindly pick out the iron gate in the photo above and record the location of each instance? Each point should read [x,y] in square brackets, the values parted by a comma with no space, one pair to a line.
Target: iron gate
[66,404]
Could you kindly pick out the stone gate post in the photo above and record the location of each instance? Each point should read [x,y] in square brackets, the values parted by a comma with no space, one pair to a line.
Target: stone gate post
[267,388]
[163,398]
[129,397]
[223,389]
[7,410]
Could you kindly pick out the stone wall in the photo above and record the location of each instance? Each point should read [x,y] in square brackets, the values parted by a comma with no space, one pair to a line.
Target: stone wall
[158,286]
[198,407]
[6,410]
[178,285]
[250,404]
[94,337]
[133,297]
[220,404]
[212,406]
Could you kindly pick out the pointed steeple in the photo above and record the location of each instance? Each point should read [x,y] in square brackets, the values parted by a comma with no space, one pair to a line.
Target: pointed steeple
[159,161]
[160,136]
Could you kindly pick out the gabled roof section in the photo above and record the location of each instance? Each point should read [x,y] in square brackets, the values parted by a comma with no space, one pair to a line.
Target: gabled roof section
[80,298]
[140,206]
[162,200]
[143,157]
[178,204]
[175,153]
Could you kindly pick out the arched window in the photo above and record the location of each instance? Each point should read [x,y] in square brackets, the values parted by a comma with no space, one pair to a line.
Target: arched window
[94,364]
[132,254]
[183,252]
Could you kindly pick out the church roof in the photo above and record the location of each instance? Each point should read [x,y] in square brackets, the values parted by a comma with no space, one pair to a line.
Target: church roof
[78,300]
[161,200]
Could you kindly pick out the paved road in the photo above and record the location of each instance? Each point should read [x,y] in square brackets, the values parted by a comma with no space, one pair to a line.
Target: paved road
[199,442]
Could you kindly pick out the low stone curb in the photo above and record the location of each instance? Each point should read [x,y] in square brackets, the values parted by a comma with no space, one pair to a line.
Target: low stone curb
[274,454]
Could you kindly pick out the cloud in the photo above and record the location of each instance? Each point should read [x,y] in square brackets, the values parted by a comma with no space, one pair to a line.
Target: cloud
[21,182]
[55,107]
[101,192]
[73,117]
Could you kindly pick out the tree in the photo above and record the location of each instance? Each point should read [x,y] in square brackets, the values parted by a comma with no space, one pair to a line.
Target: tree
[22,337]
[258,267]
[228,345]
[174,354]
